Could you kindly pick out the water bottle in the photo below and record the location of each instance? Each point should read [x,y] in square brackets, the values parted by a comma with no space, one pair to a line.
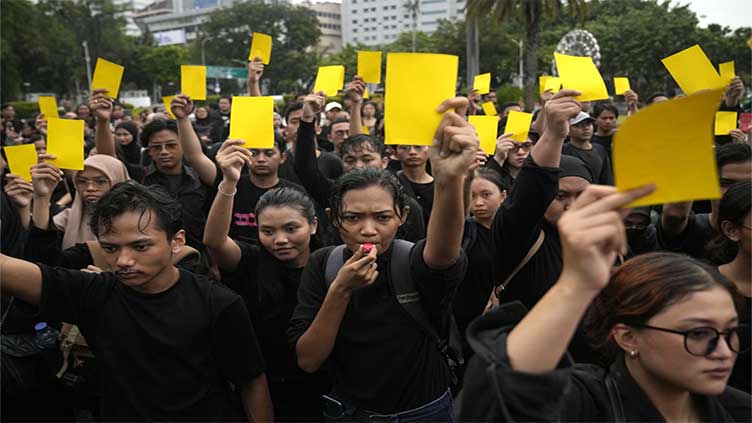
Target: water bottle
[46,336]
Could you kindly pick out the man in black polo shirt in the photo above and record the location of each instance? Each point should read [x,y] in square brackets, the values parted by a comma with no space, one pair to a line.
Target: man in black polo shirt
[168,343]
[594,156]
[605,114]
[414,177]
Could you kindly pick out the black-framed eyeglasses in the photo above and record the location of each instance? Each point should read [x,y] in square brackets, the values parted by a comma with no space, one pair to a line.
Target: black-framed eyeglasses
[702,341]
[525,146]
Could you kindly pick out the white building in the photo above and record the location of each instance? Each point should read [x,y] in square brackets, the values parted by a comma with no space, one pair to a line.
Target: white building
[330,24]
[373,22]
[131,8]
[178,20]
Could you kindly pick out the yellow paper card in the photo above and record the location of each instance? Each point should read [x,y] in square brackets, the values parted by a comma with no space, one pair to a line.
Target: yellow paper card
[330,79]
[107,75]
[20,159]
[489,109]
[482,83]
[542,82]
[727,71]
[252,120]
[48,106]
[518,123]
[365,94]
[725,122]
[369,66]
[364,130]
[65,139]
[692,70]
[261,46]
[675,154]
[553,84]
[167,99]
[193,81]
[621,85]
[580,73]
[487,128]
[410,116]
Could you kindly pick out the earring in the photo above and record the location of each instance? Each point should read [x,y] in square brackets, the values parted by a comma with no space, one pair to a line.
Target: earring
[633,354]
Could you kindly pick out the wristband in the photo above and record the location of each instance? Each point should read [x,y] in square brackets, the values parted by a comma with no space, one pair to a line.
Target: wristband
[219,188]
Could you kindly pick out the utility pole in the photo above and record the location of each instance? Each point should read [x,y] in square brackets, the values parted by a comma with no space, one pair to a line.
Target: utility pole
[473,59]
[88,62]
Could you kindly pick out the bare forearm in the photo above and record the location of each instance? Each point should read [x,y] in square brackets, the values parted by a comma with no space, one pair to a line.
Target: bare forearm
[539,341]
[41,212]
[257,402]
[466,194]
[316,344]
[25,214]
[103,138]
[356,122]
[253,88]
[220,215]
[189,140]
[547,152]
[444,234]
[20,279]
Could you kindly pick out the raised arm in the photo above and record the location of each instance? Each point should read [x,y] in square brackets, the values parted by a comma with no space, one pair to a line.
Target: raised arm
[306,165]
[181,107]
[504,145]
[20,279]
[555,114]
[20,192]
[255,70]
[356,88]
[44,179]
[453,152]
[734,94]
[592,234]
[226,253]
[101,106]
[633,102]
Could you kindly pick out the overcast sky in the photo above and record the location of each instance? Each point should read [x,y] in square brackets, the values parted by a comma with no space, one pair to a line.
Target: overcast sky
[733,13]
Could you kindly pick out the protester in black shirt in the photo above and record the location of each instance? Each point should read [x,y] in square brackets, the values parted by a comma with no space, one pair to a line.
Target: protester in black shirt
[206,127]
[381,361]
[509,157]
[224,108]
[733,248]
[595,157]
[329,164]
[605,114]
[667,323]
[168,342]
[681,230]
[641,232]
[413,176]
[267,277]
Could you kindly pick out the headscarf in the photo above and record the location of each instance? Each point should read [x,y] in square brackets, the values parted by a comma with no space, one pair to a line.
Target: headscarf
[74,222]
[573,166]
[129,153]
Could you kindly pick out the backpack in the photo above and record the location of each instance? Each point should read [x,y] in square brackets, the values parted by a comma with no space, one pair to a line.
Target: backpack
[409,298]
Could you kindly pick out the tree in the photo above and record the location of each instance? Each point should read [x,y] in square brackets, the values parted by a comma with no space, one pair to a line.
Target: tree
[294,31]
[531,13]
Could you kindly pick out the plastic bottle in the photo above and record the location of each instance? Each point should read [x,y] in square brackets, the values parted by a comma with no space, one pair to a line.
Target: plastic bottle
[46,336]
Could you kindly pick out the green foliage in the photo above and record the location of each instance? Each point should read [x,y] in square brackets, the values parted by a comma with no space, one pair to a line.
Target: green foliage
[294,30]
[506,93]
[25,109]
[162,64]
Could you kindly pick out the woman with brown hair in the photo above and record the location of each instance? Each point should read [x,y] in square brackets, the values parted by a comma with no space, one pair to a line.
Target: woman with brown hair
[668,323]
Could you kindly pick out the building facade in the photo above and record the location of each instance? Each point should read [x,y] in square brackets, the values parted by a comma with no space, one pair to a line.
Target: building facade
[330,23]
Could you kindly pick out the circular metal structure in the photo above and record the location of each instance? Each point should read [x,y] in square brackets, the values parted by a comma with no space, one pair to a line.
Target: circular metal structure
[578,42]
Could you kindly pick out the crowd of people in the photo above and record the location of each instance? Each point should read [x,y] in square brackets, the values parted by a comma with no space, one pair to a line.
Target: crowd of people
[184,276]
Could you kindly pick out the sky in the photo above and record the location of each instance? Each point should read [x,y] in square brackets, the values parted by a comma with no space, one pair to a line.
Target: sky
[732,13]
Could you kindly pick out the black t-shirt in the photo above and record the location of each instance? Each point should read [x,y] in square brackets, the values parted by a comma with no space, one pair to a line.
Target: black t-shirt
[165,356]
[422,193]
[473,293]
[692,240]
[603,141]
[595,159]
[382,360]
[244,226]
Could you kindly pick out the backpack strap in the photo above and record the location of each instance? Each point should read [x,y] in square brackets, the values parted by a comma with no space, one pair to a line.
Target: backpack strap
[534,249]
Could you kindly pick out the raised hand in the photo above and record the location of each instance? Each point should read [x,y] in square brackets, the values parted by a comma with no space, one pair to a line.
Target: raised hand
[734,92]
[19,191]
[231,158]
[45,176]
[356,88]
[313,104]
[359,270]
[101,105]
[592,233]
[557,112]
[632,100]
[504,144]
[181,106]
[738,136]
[255,69]
[455,143]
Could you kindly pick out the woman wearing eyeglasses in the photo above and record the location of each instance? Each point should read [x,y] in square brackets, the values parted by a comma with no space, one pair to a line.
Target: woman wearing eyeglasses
[734,248]
[509,157]
[667,322]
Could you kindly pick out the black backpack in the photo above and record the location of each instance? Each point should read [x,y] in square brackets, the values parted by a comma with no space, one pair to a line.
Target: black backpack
[409,298]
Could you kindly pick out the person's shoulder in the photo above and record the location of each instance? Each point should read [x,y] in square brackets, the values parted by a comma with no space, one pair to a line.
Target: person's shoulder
[217,294]
[286,183]
[737,403]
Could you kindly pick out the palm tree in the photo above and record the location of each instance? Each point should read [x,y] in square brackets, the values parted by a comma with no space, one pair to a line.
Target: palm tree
[531,13]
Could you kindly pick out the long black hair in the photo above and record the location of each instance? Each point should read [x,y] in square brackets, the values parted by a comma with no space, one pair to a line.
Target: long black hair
[735,205]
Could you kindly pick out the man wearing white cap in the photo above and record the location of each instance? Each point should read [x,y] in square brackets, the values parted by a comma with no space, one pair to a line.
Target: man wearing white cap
[594,156]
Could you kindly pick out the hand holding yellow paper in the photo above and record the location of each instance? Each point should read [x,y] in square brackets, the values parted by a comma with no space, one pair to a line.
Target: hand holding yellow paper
[489,109]
[166,100]
[482,83]
[369,66]
[252,120]
[675,154]
[621,85]
[48,106]
[65,140]
[107,75]
[727,71]
[261,47]
[725,122]
[330,79]
[20,159]
[553,84]
[542,82]
[692,70]
[193,81]
[580,73]
[487,128]
[518,123]
[416,84]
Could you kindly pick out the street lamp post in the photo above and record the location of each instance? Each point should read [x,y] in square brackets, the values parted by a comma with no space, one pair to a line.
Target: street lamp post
[88,62]
[520,81]
[203,52]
